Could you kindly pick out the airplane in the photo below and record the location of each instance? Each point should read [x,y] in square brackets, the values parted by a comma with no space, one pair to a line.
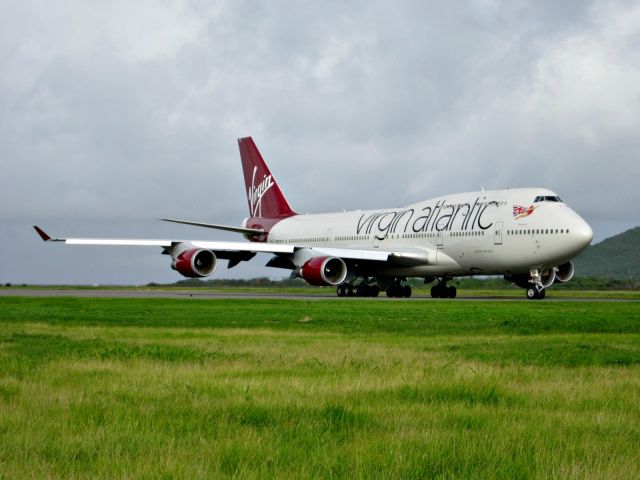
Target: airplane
[527,235]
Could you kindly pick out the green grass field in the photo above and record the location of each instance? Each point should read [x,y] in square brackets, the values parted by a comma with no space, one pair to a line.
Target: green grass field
[160,388]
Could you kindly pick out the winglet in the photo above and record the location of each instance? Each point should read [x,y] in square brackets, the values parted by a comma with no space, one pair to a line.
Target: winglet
[42,233]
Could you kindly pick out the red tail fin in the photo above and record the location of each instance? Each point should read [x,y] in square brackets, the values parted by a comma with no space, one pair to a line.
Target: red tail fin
[265,198]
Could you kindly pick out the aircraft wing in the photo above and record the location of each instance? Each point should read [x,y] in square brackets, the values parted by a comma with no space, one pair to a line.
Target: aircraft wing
[255,247]
[246,250]
[209,245]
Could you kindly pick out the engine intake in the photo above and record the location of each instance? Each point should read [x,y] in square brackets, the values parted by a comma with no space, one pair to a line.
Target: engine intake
[195,263]
[564,272]
[548,276]
[321,271]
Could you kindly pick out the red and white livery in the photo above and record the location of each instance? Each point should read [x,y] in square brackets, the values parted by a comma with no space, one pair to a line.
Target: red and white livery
[526,234]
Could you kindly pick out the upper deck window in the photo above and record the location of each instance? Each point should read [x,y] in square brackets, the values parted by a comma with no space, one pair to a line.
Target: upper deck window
[547,198]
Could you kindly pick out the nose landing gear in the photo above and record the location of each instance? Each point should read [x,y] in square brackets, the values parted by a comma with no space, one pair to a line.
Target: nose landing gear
[535,293]
[536,290]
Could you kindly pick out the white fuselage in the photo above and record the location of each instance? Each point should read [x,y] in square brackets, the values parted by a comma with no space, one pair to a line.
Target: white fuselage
[484,233]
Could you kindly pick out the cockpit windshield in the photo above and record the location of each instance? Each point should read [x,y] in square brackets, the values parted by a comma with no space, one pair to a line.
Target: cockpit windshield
[547,198]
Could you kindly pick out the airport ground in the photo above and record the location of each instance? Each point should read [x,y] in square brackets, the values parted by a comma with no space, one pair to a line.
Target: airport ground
[318,388]
[302,293]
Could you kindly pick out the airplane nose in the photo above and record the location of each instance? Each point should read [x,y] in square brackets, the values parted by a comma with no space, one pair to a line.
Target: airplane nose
[583,234]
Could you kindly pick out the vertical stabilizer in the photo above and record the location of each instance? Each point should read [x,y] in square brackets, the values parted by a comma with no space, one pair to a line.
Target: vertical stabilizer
[264,196]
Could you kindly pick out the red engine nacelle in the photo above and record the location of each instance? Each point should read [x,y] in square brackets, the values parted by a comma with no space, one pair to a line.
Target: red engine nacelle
[324,271]
[195,263]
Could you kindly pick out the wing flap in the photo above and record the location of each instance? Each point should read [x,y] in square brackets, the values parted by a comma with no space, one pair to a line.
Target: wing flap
[243,247]
[350,254]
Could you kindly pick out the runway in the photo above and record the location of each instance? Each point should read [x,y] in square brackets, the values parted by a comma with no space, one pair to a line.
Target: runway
[203,294]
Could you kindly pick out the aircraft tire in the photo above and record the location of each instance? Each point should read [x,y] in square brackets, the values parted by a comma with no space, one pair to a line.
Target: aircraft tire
[340,290]
[363,291]
[533,293]
[375,291]
[452,292]
[406,291]
[394,291]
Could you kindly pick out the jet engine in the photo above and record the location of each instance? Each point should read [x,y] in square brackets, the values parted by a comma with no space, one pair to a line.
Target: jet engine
[564,272]
[548,276]
[321,271]
[195,263]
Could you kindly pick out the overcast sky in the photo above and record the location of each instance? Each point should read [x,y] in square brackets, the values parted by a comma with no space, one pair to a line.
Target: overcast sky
[113,114]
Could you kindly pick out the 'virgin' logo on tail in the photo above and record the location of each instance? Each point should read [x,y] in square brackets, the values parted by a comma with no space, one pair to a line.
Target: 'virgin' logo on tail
[255,194]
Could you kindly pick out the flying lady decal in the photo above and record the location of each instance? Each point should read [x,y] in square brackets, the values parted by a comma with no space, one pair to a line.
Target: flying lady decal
[520,212]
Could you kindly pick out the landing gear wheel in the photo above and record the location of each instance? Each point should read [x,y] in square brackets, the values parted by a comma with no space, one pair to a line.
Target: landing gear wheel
[348,290]
[541,294]
[442,291]
[340,290]
[375,291]
[533,293]
[397,291]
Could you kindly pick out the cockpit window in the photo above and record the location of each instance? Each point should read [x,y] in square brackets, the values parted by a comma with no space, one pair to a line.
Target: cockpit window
[547,198]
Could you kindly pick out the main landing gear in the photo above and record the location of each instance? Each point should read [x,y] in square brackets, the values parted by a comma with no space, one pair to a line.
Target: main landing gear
[396,290]
[362,290]
[442,291]
[365,289]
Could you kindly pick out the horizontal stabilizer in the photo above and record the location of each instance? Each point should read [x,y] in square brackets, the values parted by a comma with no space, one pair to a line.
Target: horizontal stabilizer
[227,228]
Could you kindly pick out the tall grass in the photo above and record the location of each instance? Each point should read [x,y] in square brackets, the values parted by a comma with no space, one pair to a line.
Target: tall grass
[252,389]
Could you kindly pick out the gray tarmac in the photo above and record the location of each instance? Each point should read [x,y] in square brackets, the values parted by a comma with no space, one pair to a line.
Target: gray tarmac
[203,294]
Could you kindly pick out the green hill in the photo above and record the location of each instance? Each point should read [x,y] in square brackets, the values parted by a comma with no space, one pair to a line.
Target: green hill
[615,257]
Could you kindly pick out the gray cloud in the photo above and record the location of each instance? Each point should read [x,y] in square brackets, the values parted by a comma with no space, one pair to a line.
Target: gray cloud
[115,114]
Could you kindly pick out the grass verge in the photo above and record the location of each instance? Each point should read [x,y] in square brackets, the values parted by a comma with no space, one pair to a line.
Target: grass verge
[307,389]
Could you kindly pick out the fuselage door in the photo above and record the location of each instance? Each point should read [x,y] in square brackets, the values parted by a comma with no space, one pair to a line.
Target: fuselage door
[497,233]
[440,239]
